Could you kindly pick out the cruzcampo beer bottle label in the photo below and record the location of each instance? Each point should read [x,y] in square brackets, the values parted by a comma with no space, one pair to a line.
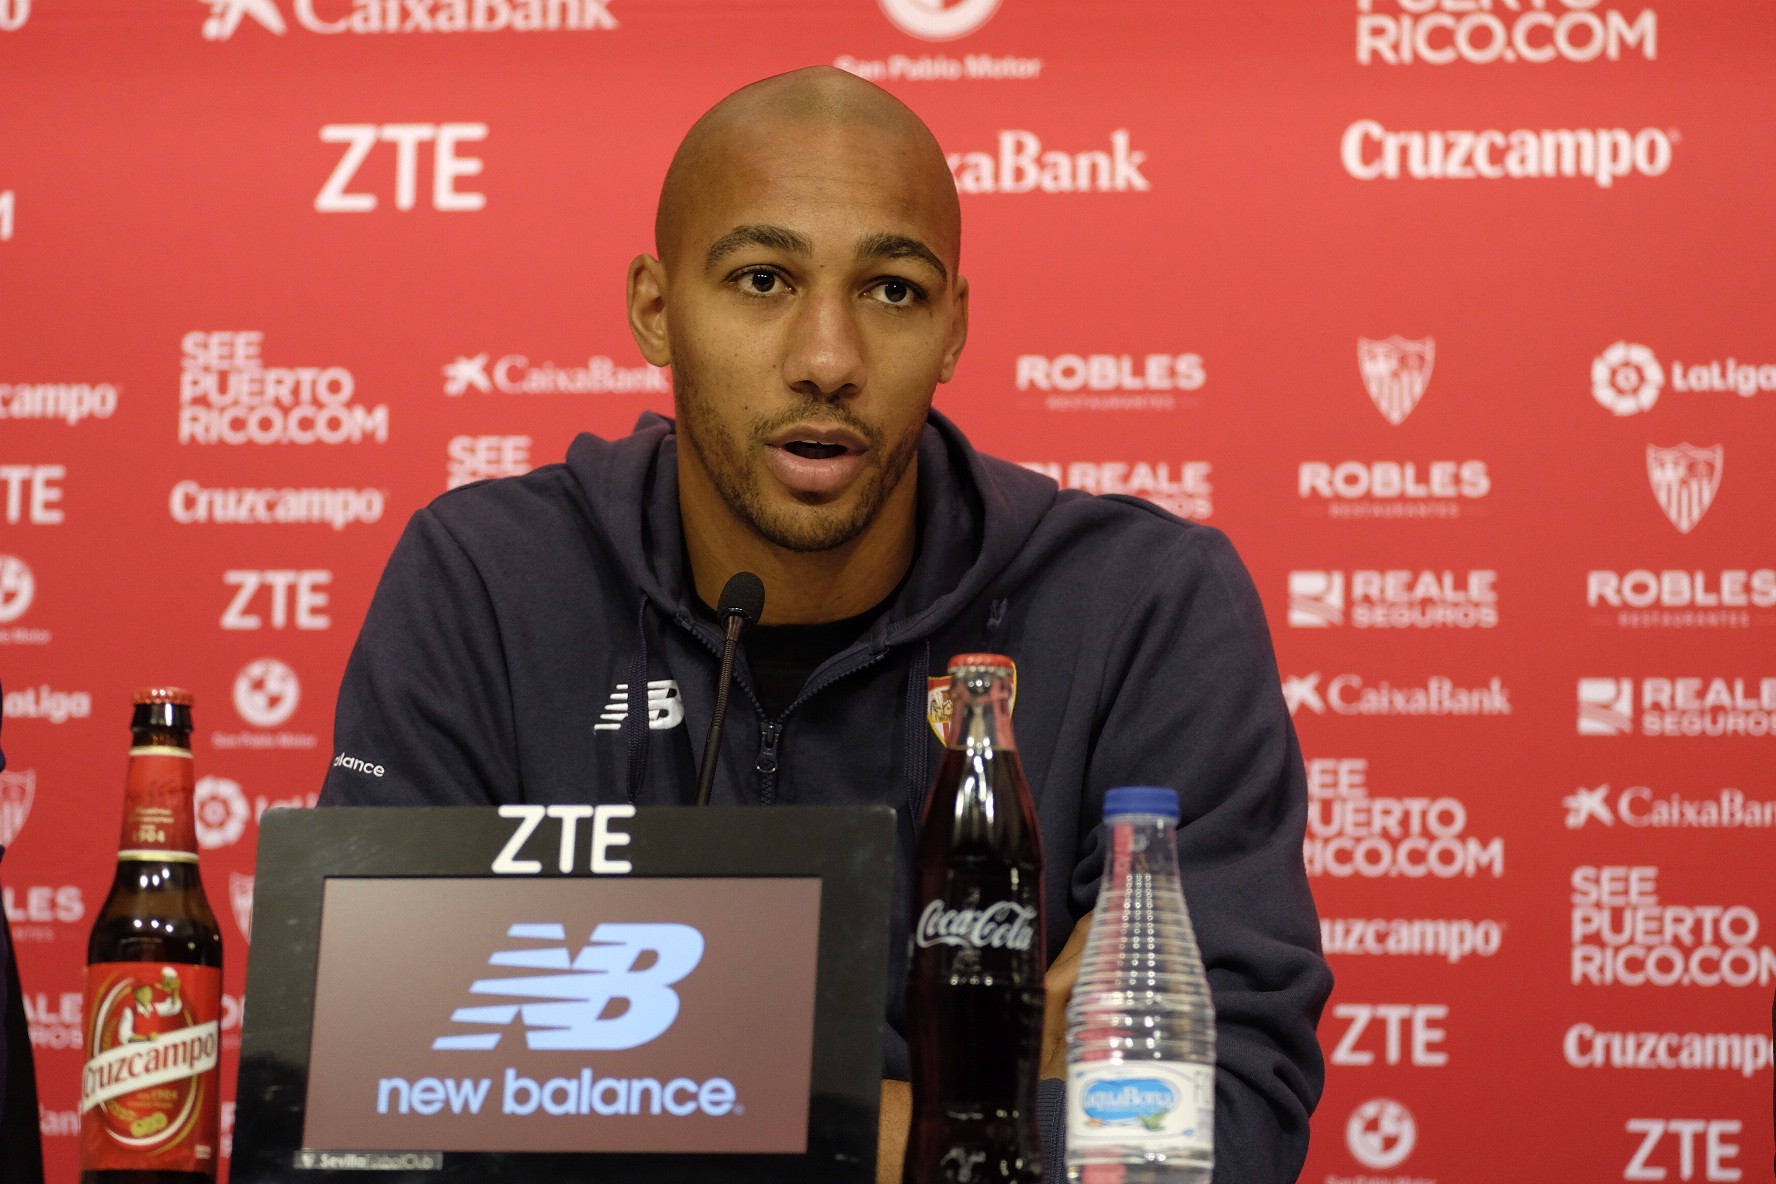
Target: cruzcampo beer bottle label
[157,815]
[154,1040]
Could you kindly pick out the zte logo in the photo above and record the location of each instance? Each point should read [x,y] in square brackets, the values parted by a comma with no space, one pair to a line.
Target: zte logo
[635,966]
[361,140]
[1702,1151]
[291,598]
[32,492]
[1401,1033]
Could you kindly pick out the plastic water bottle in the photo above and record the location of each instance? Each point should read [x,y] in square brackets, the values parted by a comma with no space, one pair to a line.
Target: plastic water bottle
[1141,1025]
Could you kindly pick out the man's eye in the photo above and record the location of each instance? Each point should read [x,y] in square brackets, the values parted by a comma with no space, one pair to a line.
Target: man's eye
[762,282]
[899,292]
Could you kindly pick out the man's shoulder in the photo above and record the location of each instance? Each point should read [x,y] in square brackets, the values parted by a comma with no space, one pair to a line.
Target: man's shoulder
[542,503]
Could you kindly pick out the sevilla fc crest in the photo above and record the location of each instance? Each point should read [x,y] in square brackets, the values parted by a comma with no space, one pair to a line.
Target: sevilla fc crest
[240,894]
[17,789]
[1684,480]
[1396,371]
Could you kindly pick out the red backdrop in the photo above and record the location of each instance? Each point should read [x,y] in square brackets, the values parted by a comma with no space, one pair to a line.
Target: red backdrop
[1455,314]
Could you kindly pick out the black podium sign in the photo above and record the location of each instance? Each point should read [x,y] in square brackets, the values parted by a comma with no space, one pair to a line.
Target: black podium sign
[544,993]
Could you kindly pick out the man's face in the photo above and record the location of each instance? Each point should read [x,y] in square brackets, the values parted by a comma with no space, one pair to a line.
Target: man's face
[811,308]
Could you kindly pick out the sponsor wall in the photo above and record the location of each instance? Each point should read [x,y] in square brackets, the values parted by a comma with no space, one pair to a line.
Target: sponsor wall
[1453,313]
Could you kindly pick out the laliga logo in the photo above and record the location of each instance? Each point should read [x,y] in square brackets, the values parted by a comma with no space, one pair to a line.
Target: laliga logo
[225,17]
[1396,371]
[583,989]
[221,812]
[17,790]
[1627,378]
[1380,1134]
[266,693]
[935,20]
[1685,480]
[17,588]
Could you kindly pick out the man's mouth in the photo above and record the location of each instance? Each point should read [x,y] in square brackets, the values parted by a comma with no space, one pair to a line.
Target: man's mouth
[816,460]
[814,450]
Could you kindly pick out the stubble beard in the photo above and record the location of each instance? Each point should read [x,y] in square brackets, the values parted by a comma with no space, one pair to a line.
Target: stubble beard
[801,528]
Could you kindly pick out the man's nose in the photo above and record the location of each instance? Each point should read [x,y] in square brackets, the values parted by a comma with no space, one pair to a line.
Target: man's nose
[826,354]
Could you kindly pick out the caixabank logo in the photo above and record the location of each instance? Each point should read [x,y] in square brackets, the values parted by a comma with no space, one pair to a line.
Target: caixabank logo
[516,374]
[1639,807]
[1682,706]
[561,1013]
[332,17]
[1022,163]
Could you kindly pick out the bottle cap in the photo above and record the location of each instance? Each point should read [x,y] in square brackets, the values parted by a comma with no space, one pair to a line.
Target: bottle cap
[990,661]
[1141,799]
[174,695]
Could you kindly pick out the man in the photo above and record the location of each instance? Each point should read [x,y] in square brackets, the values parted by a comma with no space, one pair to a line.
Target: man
[21,1151]
[548,638]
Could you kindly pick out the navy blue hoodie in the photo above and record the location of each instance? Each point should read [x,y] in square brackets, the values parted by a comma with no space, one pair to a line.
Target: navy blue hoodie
[534,640]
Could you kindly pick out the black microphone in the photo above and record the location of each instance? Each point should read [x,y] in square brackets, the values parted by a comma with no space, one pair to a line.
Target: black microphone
[742,603]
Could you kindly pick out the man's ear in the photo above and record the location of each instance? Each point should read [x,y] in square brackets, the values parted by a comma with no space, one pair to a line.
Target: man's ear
[647,309]
[958,332]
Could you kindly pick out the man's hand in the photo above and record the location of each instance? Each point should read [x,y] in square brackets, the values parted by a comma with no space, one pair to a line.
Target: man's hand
[1059,981]
[891,1139]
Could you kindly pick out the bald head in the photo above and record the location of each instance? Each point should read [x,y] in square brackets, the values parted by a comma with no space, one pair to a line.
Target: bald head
[805,121]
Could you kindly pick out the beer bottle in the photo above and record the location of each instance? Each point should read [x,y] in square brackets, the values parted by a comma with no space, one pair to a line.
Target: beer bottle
[149,1092]
[975,992]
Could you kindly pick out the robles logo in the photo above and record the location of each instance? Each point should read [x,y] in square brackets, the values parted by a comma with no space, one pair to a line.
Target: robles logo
[1393,489]
[1646,599]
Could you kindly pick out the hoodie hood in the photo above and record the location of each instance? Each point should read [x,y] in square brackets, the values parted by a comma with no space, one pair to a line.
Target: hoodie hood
[975,515]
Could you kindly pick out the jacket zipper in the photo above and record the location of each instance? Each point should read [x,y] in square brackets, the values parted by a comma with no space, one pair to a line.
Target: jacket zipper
[771,733]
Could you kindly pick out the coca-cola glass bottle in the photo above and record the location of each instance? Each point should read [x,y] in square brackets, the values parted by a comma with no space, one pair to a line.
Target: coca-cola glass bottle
[974,992]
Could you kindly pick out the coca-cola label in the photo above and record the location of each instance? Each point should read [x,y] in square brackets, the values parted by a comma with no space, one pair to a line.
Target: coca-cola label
[1002,925]
[157,811]
[149,1090]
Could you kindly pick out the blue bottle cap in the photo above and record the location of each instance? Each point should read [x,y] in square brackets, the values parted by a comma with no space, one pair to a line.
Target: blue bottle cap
[1141,799]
